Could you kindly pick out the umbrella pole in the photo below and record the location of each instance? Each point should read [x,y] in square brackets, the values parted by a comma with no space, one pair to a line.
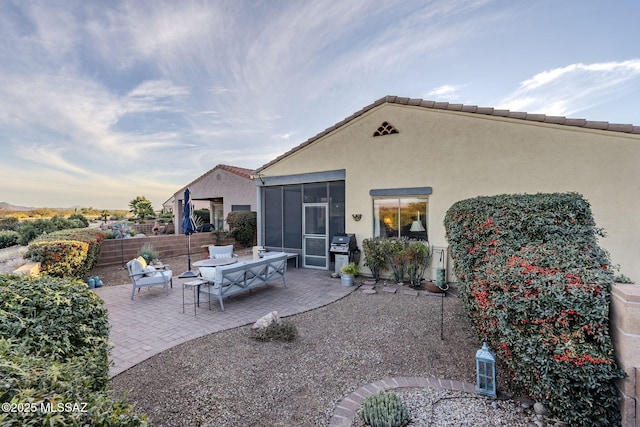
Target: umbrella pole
[188,273]
[189,253]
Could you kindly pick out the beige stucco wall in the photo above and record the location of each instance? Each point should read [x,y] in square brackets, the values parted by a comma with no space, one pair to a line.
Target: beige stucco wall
[463,155]
[234,189]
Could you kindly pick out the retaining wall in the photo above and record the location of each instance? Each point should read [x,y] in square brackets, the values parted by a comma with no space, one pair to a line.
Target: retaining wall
[625,332]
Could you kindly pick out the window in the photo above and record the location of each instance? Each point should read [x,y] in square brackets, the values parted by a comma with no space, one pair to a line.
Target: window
[238,208]
[400,217]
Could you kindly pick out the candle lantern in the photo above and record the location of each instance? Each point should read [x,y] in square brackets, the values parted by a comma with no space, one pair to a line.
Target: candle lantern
[485,371]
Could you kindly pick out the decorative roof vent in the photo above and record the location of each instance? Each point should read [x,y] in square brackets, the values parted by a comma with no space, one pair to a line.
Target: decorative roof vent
[385,128]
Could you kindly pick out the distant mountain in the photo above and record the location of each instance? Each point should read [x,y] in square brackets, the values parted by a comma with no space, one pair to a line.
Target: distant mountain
[10,207]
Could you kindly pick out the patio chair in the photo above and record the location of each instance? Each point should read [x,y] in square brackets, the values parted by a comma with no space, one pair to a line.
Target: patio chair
[222,252]
[143,276]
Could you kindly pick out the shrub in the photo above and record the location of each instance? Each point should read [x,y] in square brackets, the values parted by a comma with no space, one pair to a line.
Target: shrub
[81,218]
[45,362]
[418,257]
[536,287]
[9,223]
[243,226]
[60,256]
[278,331]
[29,230]
[384,410]
[374,255]
[8,238]
[394,251]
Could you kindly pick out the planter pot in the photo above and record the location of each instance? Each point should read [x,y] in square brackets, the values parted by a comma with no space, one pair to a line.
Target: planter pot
[347,279]
[432,287]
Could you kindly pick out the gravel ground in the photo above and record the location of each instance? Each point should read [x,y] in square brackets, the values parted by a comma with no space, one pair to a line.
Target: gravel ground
[229,379]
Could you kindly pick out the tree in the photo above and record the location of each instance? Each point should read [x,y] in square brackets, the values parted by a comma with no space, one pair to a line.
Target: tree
[141,208]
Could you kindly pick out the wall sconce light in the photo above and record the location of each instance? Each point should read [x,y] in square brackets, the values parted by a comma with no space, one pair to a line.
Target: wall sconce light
[356,217]
[485,371]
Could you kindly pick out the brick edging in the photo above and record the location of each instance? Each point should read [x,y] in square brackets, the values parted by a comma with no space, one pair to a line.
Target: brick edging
[345,411]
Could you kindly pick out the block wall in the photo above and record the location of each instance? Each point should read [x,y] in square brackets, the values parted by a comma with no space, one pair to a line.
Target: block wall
[625,332]
[119,251]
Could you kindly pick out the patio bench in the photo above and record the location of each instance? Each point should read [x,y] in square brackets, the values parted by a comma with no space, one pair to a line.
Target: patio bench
[232,279]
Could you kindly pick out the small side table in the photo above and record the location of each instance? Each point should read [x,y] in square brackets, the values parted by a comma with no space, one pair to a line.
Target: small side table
[195,285]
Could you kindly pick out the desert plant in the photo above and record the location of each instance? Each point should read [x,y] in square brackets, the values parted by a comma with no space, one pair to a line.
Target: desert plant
[384,409]
[141,208]
[374,255]
[9,223]
[418,257]
[283,330]
[148,252]
[8,238]
[81,218]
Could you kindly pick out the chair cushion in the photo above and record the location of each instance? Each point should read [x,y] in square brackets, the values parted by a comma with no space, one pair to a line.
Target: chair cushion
[208,273]
[142,261]
[223,256]
[149,271]
[136,267]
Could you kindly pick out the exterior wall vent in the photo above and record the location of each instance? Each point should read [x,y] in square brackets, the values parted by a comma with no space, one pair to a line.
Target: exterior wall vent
[385,128]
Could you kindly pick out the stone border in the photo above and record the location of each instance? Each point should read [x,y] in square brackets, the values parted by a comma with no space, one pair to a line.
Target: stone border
[345,410]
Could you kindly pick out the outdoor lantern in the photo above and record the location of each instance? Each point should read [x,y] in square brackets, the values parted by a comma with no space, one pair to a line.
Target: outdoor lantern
[485,371]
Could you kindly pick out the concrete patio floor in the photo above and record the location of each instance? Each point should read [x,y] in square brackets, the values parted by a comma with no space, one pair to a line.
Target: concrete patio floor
[154,322]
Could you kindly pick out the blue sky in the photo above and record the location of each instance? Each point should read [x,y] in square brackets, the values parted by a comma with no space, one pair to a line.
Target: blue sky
[103,101]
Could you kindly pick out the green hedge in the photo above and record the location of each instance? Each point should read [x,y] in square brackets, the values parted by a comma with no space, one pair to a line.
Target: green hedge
[54,356]
[67,253]
[243,226]
[536,286]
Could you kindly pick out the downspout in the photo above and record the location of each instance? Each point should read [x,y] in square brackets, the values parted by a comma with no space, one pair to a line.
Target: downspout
[259,218]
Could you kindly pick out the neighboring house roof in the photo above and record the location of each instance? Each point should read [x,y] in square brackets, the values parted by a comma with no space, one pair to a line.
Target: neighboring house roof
[433,105]
[241,172]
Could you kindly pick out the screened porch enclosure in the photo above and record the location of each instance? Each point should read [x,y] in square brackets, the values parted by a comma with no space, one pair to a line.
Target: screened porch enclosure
[302,218]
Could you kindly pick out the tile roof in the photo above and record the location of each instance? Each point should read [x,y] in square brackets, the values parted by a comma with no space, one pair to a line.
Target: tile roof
[417,102]
[243,172]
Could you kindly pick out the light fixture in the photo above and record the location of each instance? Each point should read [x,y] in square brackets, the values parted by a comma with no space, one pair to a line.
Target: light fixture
[417,225]
[356,217]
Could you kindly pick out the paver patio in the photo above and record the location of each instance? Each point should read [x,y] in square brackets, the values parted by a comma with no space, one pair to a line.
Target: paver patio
[154,322]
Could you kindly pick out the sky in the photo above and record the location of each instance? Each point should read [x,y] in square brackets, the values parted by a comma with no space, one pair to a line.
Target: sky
[103,101]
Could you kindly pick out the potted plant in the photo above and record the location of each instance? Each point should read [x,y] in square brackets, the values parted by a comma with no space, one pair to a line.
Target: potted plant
[148,252]
[349,271]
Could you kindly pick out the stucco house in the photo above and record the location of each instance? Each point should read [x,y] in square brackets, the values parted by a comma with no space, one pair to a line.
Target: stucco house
[396,166]
[222,189]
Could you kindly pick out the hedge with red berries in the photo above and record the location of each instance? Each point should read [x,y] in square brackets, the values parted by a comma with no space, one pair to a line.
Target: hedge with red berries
[536,286]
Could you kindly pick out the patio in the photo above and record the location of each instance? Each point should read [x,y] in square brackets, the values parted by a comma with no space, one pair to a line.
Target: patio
[154,322]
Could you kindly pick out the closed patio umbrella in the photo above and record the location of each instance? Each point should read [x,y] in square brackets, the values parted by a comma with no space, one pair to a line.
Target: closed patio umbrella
[188,228]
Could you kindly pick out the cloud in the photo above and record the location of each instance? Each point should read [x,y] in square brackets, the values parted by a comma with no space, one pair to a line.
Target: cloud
[573,88]
[446,91]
